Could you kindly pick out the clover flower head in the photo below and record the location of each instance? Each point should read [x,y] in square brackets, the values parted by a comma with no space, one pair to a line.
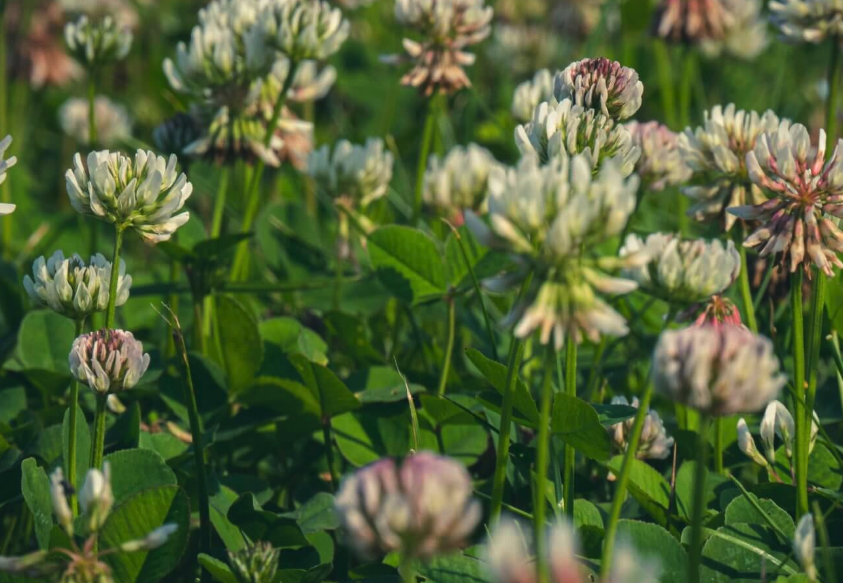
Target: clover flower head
[692,21]
[716,153]
[96,497]
[566,128]
[661,163]
[808,20]
[255,563]
[683,271]
[304,29]
[459,181]
[5,209]
[73,289]
[746,444]
[311,81]
[718,371]
[654,442]
[143,193]
[601,84]
[800,219]
[97,43]
[745,35]
[777,421]
[524,47]
[804,545]
[113,123]
[529,94]
[61,507]
[420,506]
[359,174]
[108,361]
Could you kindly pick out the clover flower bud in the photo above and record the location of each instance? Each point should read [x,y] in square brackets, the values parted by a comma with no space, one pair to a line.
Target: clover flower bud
[654,442]
[96,497]
[97,43]
[20,565]
[529,94]
[109,361]
[112,121]
[358,174]
[459,181]
[745,32]
[747,444]
[156,538]
[143,193]
[255,563]
[421,506]
[304,29]
[808,20]
[800,219]
[682,271]
[777,420]
[5,165]
[717,311]
[601,84]
[61,509]
[73,289]
[718,371]
[804,545]
[716,153]
[559,128]
[691,21]
[660,164]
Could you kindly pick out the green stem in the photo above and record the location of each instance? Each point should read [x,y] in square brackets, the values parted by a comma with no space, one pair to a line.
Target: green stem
[449,349]
[698,504]
[99,432]
[718,446]
[427,142]
[666,89]
[329,451]
[219,204]
[799,388]
[198,333]
[542,443]
[830,574]
[570,454]
[406,570]
[92,110]
[746,293]
[838,361]
[833,82]
[815,329]
[115,273]
[73,406]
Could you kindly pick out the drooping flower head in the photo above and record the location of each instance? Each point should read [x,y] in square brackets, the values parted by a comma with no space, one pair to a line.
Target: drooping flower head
[5,209]
[143,193]
[255,563]
[716,153]
[601,84]
[108,361]
[661,163]
[304,29]
[459,181]
[565,128]
[73,289]
[97,43]
[653,443]
[691,21]
[113,123]
[353,173]
[682,271]
[529,94]
[800,219]
[718,371]
[421,506]
[808,20]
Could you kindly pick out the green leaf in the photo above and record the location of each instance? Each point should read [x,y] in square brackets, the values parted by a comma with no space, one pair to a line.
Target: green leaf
[408,263]
[285,397]
[742,553]
[259,524]
[495,373]
[576,422]
[317,514]
[35,486]
[655,543]
[44,341]
[381,384]
[294,338]
[137,517]
[648,487]
[740,511]
[822,468]
[454,260]
[240,342]
[453,569]
[333,396]
[614,414]
[83,444]
[218,570]
[714,484]
[164,444]
[221,500]
[135,470]
[587,514]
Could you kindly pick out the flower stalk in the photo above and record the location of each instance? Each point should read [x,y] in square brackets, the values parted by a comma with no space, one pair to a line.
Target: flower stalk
[569,453]
[449,349]
[424,153]
[92,110]
[73,406]
[98,444]
[542,459]
[797,319]
[115,273]
[698,503]
[746,292]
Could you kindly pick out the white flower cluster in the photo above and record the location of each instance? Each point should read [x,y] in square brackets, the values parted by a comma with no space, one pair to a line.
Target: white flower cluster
[529,94]
[559,128]
[653,443]
[745,32]
[682,271]
[113,123]
[777,422]
[73,289]
[716,152]
[5,208]
[108,361]
[719,371]
[304,29]
[601,84]
[420,507]
[459,181]
[97,43]
[142,194]
[360,174]
[808,20]
[661,163]
[309,84]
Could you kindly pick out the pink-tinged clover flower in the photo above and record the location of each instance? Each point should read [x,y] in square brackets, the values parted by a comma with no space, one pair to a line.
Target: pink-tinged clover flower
[108,361]
[601,84]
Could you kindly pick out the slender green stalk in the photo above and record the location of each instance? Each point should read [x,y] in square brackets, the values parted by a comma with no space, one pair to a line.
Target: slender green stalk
[542,447]
[830,574]
[426,144]
[73,406]
[92,110]
[449,349]
[801,465]
[327,433]
[754,503]
[815,328]
[718,446]
[698,504]
[115,273]
[98,444]
[838,361]
[746,293]
[219,203]
[570,454]
[199,338]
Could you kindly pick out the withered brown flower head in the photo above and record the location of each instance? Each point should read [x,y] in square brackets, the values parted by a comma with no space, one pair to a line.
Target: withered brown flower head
[691,21]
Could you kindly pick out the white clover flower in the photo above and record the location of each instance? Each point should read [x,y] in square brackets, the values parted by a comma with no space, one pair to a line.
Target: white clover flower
[420,507]
[5,208]
[601,84]
[524,47]
[800,219]
[529,94]
[654,442]
[155,539]
[304,29]
[141,194]
[61,508]
[661,163]
[73,289]
[96,497]
[777,420]
[565,128]
[311,82]
[108,361]
[682,271]
[746,444]
[355,173]
[716,153]
[745,35]
[692,21]
[808,20]
[255,563]
[718,371]
[97,43]
[804,545]
[112,121]
[459,181]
